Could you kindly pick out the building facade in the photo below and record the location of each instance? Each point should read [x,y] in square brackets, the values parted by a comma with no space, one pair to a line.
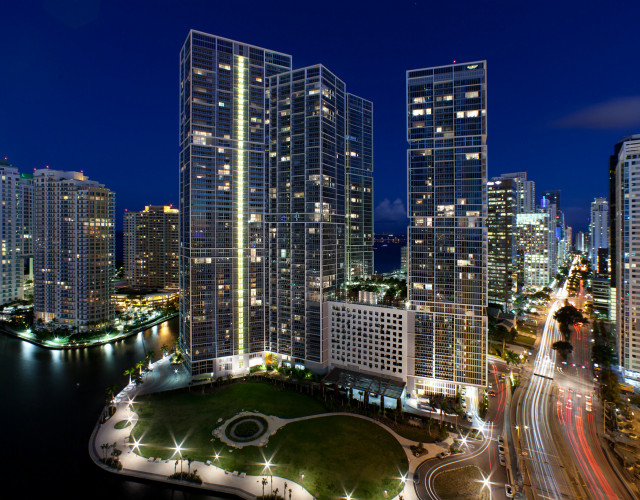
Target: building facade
[368,338]
[224,124]
[533,249]
[525,191]
[501,234]
[151,247]
[359,185]
[306,211]
[447,236]
[598,228]
[74,250]
[627,258]
[15,231]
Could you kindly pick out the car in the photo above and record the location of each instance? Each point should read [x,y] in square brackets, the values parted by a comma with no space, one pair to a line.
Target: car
[568,404]
[508,490]
[469,417]
[501,449]
[587,405]
[578,395]
[443,454]
[501,439]
[492,393]
[633,436]
[502,460]
[490,385]
[502,375]
[464,405]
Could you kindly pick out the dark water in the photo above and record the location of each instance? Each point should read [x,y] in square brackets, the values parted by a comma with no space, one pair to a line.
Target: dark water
[386,259]
[46,419]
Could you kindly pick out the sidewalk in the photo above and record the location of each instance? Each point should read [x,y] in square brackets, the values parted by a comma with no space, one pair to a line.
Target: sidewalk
[166,377]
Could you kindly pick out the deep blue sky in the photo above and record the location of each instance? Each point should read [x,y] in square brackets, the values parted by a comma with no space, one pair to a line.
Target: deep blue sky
[93,86]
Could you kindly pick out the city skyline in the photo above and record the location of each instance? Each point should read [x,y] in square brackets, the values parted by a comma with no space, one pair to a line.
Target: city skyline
[554,126]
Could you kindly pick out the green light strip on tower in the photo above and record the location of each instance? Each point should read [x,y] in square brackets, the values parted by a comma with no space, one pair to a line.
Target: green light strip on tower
[241,110]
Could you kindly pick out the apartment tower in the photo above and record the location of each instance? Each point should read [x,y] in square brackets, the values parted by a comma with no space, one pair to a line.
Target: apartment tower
[151,247]
[223,129]
[627,258]
[447,208]
[74,250]
[598,229]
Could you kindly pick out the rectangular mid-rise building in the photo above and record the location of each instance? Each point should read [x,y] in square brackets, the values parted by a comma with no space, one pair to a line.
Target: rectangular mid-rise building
[151,247]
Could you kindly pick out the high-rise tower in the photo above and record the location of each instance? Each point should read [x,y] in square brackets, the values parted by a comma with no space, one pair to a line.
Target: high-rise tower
[223,129]
[74,250]
[447,207]
[359,185]
[306,210]
[627,258]
[598,229]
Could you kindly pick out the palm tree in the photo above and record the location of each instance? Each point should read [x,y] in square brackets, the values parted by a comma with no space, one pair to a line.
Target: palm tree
[164,349]
[189,460]
[128,372]
[148,357]
[290,491]
[264,483]
[140,366]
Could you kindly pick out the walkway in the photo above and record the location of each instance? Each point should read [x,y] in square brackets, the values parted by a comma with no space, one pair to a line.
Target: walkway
[164,377]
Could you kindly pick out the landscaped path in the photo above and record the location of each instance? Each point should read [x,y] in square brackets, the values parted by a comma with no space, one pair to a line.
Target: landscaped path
[165,376]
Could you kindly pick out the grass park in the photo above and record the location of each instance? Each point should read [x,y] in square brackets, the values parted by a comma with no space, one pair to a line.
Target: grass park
[465,482]
[337,454]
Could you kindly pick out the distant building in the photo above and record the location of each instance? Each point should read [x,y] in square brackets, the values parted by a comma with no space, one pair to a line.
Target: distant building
[15,229]
[404,257]
[525,191]
[598,228]
[74,250]
[533,249]
[627,256]
[501,234]
[552,238]
[151,247]
[568,237]
[553,196]
[580,242]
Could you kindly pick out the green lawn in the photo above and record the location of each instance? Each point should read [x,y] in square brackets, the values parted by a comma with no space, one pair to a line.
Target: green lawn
[525,339]
[461,483]
[335,453]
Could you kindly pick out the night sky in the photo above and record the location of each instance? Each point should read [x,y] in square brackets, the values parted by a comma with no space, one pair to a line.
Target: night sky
[93,86]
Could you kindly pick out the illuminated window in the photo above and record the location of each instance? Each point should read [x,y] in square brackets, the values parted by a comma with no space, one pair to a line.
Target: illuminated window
[471,95]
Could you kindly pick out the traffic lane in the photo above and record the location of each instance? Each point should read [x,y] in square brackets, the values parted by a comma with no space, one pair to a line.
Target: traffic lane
[497,394]
[478,453]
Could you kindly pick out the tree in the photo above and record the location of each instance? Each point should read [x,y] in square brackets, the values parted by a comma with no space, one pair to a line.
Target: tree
[511,357]
[569,315]
[602,354]
[563,348]
[148,356]
[610,386]
[129,372]
[140,366]
[164,349]
[264,483]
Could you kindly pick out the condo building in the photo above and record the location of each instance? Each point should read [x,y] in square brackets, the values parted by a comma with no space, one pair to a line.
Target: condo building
[598,228]
[151,247]
[74,250]
[525,191]
[534,266]
[501,235]
[447,236]
[224,120]
[359,185]
[306,211]
[15,231]
[627,258]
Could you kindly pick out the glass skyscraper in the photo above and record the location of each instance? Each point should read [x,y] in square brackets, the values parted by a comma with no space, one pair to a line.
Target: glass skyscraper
[223,129]
[306,210]
[447,208]
[502,205]
[359,183]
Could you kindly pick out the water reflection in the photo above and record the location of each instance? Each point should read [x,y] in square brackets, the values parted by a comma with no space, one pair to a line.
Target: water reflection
[55,398]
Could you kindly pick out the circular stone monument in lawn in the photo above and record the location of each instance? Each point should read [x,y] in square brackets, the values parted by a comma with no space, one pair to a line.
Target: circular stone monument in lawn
[247,428]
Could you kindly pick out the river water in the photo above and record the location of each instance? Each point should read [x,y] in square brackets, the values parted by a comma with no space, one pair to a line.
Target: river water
[50,402]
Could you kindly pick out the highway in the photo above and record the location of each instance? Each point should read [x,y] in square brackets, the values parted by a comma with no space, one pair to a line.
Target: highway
[483,454]
[545,474]
[578,415]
